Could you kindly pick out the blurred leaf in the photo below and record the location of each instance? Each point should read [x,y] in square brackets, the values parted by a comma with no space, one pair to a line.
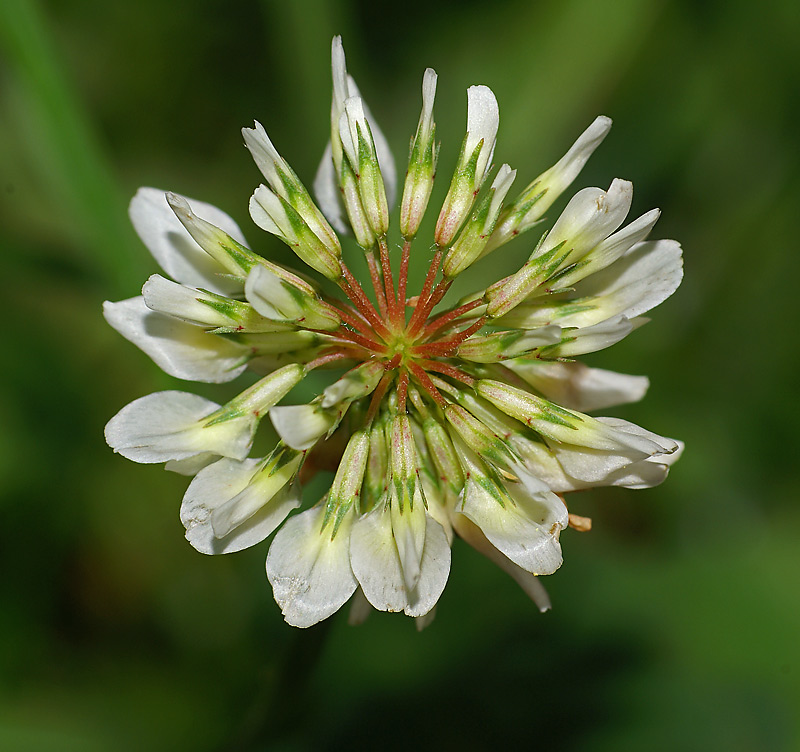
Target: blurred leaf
[63,146]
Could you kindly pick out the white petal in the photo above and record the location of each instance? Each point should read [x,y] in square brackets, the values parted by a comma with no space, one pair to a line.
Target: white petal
[177,348]
[646,473]
[540,461]
[266,292]
[181,302]
[483,120]
[597,337]
[652,470]
[301,426]
[534,487]
[606,253]
[409,527]
[216,486]
[578,387]
[561,174]
[326,191]
[385,159]
[269,214]
[434,571]
[428,95]
[326,184]
[631,472]
[590,217]
[645,277]
[593,466]
[375,561]
[526,532]
[191,465]
[376,565]
[172,246]
[310,573]
[441,503]
[382,150]
[265,486]
[138,430]
[166,426]
[339,73]
[616,246]
[352,116]
[500,185]
[264,154]
[614,435]
[597,465]
[665,444]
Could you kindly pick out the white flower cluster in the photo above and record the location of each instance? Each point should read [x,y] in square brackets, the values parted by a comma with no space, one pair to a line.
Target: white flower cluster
[468,420]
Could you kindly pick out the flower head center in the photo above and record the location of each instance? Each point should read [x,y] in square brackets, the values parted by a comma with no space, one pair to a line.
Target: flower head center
[409,346]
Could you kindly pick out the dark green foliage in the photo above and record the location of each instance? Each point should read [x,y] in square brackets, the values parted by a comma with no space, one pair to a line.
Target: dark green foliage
[675,620]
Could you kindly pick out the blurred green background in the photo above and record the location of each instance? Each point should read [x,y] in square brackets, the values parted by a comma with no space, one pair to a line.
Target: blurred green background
[676,620]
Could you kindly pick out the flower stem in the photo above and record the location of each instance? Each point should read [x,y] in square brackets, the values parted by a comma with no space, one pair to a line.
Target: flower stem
[388,280]
[426,290]
[369,344]
[402,391]
[356,321]
[325,359]
[374,275]
[440,321]
[377,396]
[422,378]
[447,370]
[448,346]
[356,293]
[402,283]
[429,305]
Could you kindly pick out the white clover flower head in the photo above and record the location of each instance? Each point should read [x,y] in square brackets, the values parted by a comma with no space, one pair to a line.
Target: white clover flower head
[467,420]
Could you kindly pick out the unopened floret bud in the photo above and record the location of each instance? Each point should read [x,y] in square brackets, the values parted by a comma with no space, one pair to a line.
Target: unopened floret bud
[529,207]
[274,214]
[421,163]
[473,237]
[358,145]
[277,298]
[476,155]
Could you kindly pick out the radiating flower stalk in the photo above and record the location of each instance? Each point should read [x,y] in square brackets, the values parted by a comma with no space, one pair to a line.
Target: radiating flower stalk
[465,419]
